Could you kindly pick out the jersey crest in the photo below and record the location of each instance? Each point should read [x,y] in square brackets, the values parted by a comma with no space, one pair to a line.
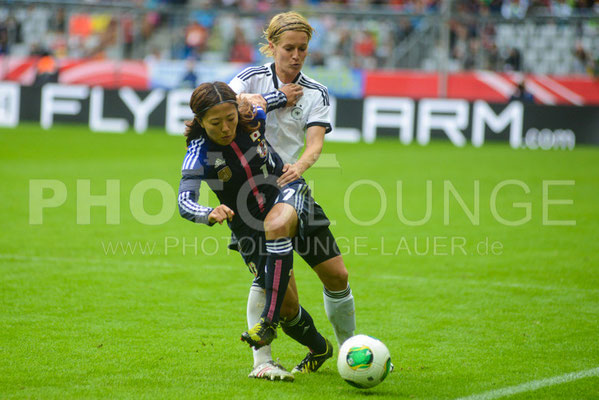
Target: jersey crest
[224,174]
[261,149]
[297,113]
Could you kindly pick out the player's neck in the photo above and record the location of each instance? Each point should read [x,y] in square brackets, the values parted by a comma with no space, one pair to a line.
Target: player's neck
[285,78]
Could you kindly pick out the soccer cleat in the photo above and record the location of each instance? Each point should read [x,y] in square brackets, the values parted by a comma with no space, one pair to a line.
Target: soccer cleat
[262,334]
[312,361]
[272,371]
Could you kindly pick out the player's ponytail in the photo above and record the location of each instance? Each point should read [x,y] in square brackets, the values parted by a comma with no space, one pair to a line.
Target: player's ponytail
[193,130]
[280,23]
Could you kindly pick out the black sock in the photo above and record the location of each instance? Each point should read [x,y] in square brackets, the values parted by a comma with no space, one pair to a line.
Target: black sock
[279,264]
[302,329]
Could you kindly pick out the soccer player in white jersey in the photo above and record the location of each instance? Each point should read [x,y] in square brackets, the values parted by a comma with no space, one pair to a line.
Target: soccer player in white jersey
[297,113]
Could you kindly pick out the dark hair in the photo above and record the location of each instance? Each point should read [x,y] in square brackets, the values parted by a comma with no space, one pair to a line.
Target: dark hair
[206,96]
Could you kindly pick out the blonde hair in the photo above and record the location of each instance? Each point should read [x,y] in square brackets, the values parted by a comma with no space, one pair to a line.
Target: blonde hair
[280,23]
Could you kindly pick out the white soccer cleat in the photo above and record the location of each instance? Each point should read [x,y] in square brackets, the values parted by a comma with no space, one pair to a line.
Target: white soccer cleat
[272,371]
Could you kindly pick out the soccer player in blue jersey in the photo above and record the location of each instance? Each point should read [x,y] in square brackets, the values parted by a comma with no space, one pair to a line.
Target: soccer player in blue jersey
[227,150]
[297,113]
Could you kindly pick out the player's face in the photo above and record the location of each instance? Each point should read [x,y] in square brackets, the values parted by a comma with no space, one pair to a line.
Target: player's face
[290,52]
[220,123]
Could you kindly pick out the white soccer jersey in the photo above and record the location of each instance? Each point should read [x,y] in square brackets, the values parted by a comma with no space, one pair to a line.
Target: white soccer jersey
[286,126]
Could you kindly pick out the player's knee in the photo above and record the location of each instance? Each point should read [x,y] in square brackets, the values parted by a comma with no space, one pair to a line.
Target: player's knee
[342,278]
[337,279]
[276,228]
[289,311]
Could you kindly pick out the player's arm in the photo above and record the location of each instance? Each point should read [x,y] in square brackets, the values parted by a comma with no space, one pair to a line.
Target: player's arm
[272,100]
[318,125]
[287,96]
[243,90]
[194,212]
[189,209]
[314,143]
[189,189]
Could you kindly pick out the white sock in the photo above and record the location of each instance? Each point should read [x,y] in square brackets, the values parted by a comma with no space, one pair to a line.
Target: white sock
[256,301]
[341,311]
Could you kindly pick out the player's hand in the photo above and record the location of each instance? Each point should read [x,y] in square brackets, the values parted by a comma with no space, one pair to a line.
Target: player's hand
[255,99]
[220,214]
[291,172]
[294,92]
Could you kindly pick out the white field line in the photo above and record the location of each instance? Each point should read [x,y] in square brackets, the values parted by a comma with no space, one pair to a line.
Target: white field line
[474,282]
[106,260]
[533,385]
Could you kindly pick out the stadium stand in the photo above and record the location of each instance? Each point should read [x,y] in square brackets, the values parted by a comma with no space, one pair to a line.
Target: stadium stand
[558,37]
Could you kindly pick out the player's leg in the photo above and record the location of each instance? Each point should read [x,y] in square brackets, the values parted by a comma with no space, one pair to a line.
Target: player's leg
[317,246]
[279,225]
[338,299]
[257,296]
[255,305]
[319,249]
[264,367]
[297,323]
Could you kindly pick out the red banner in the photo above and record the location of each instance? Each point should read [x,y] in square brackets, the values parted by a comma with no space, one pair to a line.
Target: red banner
[105,73]
[484,85]
[490,86]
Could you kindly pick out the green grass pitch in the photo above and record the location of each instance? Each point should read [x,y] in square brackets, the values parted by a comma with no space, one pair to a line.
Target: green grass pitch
[465,303]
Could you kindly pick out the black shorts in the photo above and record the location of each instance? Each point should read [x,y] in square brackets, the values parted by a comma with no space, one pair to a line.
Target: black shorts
[314,241]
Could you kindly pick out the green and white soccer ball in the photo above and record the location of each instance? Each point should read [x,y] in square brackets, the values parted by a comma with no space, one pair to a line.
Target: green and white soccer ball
[363,361]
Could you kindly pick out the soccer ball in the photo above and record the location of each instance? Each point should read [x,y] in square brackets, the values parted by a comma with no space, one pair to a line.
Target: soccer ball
[363,361]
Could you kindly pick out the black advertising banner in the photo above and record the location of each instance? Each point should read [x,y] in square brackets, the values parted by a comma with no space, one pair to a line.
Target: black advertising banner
[461,122]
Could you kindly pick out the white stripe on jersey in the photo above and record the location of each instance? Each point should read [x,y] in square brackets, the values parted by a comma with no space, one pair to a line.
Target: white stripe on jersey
[251,71]
[193,153]
[317,86]
[191,206]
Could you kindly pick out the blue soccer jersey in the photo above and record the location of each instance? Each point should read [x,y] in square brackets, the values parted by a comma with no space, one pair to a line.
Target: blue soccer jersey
[242,174]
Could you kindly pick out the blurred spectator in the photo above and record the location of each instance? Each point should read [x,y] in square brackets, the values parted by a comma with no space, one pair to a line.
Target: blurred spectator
[3,42]
[105,41]
[495,6]
[58,22]
[215,31]
[538,7]
[513,61]
[3,38]
[47,70]
[316,59]
[583,63]
[470,60]
[560,8]
[493,59]
[190,79]
[196,36]
[241,51]
[127,30]
[514,8]
[521,94]
[364,49]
